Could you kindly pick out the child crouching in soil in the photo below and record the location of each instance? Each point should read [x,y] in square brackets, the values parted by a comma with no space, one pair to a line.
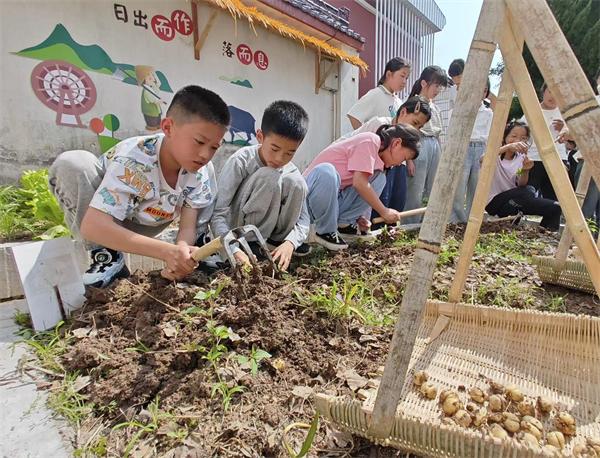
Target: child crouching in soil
[120,201]
[346,179]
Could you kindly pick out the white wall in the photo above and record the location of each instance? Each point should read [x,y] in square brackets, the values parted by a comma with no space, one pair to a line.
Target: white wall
[29,135]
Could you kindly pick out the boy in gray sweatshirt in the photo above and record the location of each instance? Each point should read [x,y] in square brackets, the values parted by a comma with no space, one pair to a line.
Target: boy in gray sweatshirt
[260,185]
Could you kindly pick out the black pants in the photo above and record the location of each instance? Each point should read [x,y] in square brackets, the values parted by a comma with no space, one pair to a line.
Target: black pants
[539,179]
[524,199]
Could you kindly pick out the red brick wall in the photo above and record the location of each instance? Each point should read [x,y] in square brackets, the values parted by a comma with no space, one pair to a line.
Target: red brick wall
[363,22]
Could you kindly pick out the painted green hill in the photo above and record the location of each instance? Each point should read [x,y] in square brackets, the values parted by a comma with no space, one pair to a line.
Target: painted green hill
[61,46]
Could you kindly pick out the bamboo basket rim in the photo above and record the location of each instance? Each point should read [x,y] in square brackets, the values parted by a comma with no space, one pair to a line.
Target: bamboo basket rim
[416,432]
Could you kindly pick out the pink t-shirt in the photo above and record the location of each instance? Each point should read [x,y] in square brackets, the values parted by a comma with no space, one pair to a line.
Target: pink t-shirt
[506,176]
[359,153]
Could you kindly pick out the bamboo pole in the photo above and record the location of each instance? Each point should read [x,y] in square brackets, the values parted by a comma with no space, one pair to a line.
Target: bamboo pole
[552,162]
[563,75]
[480,200]
[567,238]
[438,211]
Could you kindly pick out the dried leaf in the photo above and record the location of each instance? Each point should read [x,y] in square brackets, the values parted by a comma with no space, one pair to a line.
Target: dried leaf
[81,333]
[353,380]
[169,330]
[302,391]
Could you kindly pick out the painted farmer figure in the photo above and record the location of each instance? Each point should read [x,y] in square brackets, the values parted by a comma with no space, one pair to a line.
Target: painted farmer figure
[151,101]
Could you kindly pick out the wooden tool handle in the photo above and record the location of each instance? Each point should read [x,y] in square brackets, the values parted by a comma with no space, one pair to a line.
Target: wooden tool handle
[416,211]
[206,250]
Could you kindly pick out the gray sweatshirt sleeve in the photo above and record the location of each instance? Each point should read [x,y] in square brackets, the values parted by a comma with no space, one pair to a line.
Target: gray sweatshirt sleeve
[299,233]
[233,173]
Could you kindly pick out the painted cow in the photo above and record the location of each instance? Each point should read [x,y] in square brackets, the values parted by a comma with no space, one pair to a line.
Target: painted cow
[241,122]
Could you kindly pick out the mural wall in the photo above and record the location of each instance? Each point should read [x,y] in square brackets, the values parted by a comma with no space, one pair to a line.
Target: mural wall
[87,74]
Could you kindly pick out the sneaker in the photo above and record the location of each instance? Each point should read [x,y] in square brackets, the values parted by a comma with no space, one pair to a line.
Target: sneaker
[107,265]
[332,241]
[353,234]
[302,250]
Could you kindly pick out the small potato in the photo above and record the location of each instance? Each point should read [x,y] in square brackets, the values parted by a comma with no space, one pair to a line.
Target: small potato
[477,395]
[511,422]
[463,418]
[496,404]
[496,388]
[428,390]
[556,439]
[530,441]
[451,405]
[498,432]
[565,423]
[526,408]
[480,417]
[420,377]
[514,394]
[545,405]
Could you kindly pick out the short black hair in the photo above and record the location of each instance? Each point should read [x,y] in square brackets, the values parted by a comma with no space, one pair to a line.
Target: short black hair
[457,67]
[195,101]
[285,118]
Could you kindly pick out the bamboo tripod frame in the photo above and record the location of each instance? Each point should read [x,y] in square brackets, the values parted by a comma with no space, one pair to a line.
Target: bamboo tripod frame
[583,118]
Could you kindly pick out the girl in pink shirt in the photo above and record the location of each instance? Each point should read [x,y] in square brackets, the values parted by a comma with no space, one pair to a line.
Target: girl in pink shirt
[346,179]
[510,193]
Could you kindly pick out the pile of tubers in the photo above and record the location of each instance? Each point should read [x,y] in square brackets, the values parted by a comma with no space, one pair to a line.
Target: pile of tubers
[505,413]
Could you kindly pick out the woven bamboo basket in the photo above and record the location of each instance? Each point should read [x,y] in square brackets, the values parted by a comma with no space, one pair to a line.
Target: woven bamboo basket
[570,274]
[552,355]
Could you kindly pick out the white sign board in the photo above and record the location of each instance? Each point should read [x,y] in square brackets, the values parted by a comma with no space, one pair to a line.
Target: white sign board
[51,280]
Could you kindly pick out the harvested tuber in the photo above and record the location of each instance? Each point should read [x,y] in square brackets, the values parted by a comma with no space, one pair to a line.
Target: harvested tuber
[496,388]
[530,441]
[480,417]
[451,405]
[420,377]
[565,423]
[545,405]
[511,422]
[526,408]
[556,439]
[477,395]
[428,390]
[533,426]
[498,432]
[463,418]
[496,403]
[514,394]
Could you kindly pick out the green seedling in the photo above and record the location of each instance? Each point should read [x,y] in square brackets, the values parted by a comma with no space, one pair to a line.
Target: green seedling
[99,447]
[157,417]
[22,319]
[449,252]
[226,392]
[140,347]
[254,360]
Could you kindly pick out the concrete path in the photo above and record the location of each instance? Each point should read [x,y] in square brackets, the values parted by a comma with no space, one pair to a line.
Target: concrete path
[27,429]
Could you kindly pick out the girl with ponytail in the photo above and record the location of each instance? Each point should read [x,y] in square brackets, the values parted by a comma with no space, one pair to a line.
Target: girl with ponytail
[422,172]
[346,178]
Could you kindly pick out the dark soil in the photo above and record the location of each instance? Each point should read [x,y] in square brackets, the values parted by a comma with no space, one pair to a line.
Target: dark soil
[146,336]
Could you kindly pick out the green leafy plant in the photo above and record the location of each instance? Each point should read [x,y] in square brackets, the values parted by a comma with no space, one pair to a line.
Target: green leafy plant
[254,360]
[48,346]
[69,402]
[31,209]
[226,392]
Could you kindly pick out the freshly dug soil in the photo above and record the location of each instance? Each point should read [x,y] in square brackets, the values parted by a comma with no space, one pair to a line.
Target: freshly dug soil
[147,339]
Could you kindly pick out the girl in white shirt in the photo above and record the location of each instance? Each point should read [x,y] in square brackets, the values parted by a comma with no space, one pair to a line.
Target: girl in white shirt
[510,193]
[382,100]
[538,176]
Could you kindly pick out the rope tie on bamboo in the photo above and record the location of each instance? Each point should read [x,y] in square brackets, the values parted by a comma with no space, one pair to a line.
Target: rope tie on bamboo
[483,45]
[432,247]
[580,109]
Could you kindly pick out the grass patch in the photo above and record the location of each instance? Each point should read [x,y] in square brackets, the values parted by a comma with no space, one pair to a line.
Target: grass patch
[507,245]
[504,292]
[48,346]
[68,401]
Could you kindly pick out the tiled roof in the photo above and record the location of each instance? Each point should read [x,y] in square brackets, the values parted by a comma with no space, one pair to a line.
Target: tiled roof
[335,17]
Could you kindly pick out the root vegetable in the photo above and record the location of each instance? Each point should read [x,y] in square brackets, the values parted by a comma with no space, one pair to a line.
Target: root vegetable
[451,405]
[496,388]
[463,418]
[420,377]
[480,417]
[532,425]
[545,405]
[526,408]
[511,422]
[565,423]
[428,390]
[580,450]
[514,394]
[477,395]
[498,432]
[496,404]
[556,439]
[496,418]
[530,440]
[472,407]
[446,394]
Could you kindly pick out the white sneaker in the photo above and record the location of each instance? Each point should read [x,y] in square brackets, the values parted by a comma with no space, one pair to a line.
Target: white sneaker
[107,265]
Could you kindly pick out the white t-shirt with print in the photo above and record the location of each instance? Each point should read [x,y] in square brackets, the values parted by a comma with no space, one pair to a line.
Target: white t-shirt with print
[379,101]
[549,116]
[134,188]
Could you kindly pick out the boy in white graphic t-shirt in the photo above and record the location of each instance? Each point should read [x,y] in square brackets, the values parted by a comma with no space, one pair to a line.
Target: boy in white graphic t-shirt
[120,201]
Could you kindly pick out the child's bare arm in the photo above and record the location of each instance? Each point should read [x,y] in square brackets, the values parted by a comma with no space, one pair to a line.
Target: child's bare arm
[99,227]
[360,181]
[187,225]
